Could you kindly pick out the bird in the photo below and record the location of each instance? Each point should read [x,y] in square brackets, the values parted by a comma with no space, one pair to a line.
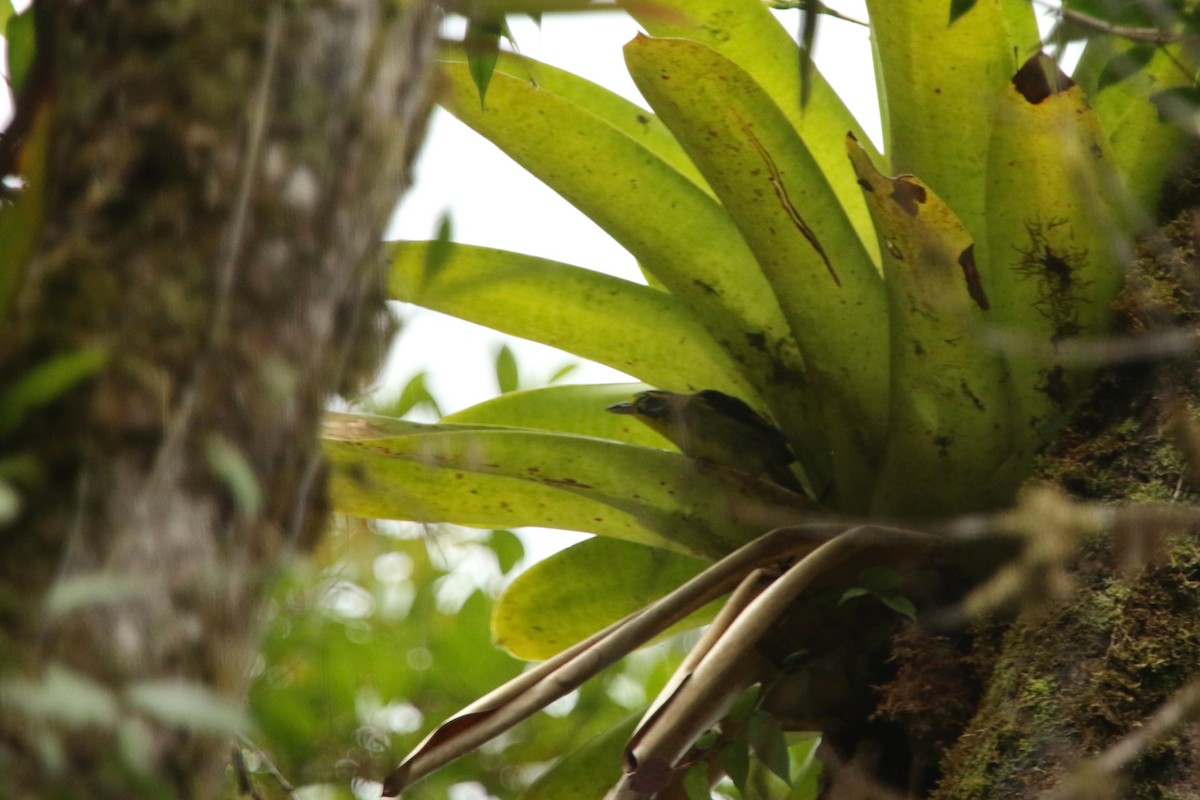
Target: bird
[718,428]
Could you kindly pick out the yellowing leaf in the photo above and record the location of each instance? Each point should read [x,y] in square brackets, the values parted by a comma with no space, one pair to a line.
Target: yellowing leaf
[582,589]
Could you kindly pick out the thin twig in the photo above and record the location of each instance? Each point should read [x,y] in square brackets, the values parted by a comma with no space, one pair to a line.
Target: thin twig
[1155,36]
[269,765]
[1102,770]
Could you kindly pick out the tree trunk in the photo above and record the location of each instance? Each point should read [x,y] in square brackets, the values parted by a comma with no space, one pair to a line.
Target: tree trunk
[219,177]
[1077,672]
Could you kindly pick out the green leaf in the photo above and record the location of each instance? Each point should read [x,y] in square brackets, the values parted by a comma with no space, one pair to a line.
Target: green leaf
[563,371]
[61,695]
[230,465]
[851,594]
[899,604]
[587,773]
[577,591]
[947,421]
[769,744]
[508,377]
[500,477]
[508,549]
[627,117]
[784,208]
[21,38]
[578,409]
[1057,242]
[880,579]
[415,394]
[483,51]
[960,7]
[751,37]
[745,704]
[1125,65]
[937,78]
[47,382]
[95,589]
[695,782]
[736,761]
[189,706]
[673,228]
[438,251]
[641,331]
[1149,116]
[10,502]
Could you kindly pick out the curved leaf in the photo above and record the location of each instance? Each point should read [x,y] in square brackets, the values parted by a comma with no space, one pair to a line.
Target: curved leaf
[567,409]
[633,328]
[939,83]
[748,35]
[771,186]
[675,230]
[1055,248]
[685,505]
[948,426]
[580,590]
[589,772]
[1145,142]
[627,117]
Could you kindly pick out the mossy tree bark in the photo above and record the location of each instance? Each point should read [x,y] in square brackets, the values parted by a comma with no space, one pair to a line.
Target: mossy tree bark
[220,175]
[1072,675]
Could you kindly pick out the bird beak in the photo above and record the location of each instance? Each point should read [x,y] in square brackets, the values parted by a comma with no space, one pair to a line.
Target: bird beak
[621,408]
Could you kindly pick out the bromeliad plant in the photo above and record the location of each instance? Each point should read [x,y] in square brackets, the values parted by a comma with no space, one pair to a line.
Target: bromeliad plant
[907,319]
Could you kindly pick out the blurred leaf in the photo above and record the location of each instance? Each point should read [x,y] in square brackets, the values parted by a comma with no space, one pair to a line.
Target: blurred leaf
[695,782]
[880,579]
[414,395]
[563,371]
[1124,65]
[10,502]
[46,382]
[587,773]
[508,549]
[736,761]
[579,590]
[900,604]
[483,51]
[851,594]
[230,465]
[21,37]
[6,11]
[95,589]
[766,738]
[1178,106]
[745,704]
[960,7]
[61,695]
[807,773]
[439,248]
[188,705]
[508,377]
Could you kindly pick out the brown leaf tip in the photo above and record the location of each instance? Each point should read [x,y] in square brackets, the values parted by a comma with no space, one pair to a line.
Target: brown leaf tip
[1040,78]
[966,260]
[909,195]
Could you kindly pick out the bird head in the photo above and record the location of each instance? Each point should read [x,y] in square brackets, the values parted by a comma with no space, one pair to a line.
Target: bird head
[652,405]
